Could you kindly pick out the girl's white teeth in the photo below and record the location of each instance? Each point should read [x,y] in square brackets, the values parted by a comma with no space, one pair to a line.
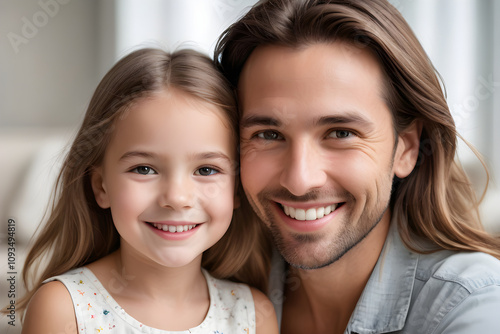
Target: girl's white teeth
[174,228]
[309,214]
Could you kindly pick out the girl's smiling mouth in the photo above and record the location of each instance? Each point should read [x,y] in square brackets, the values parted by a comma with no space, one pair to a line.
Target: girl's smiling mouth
[174,228]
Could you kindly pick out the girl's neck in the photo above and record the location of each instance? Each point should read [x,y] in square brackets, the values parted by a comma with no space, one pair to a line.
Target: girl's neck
[127,274]
[159,297]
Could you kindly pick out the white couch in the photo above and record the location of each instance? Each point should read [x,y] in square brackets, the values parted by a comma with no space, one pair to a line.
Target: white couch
[30,161]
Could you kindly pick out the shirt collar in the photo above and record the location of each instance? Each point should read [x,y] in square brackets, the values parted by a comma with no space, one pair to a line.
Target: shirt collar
[384,303]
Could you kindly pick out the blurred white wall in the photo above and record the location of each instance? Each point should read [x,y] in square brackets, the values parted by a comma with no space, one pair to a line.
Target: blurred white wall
[190,23]
[168,24]
[48,61]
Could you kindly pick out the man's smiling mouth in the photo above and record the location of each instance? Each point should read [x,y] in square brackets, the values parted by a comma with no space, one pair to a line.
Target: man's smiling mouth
[309,214]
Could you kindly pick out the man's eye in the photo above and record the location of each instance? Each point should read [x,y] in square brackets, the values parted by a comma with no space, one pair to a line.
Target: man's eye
[206,171]
[143,170]
[340,134]
[269,135]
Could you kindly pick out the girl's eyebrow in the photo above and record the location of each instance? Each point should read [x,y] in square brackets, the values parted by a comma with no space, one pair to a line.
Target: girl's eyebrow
[140,154]
[198,156]
[212,155]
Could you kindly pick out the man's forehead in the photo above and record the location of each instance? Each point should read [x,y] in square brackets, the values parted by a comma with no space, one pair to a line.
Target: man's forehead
[273,65]
[316,85]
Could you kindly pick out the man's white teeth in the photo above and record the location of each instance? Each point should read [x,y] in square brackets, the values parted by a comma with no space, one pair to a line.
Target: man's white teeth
[309,214]
[174,228]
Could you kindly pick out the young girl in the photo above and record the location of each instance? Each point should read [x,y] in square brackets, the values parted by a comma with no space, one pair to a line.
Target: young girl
[147,187]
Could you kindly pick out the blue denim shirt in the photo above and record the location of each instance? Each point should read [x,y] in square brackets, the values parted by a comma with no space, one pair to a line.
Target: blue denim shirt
[410,293]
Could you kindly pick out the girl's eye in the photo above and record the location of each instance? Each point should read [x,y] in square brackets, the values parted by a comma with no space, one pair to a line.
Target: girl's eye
[143,170]
[269,135]
[206,171]
[340,134]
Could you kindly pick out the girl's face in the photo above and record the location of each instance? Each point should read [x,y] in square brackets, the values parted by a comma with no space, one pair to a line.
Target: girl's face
[168,177]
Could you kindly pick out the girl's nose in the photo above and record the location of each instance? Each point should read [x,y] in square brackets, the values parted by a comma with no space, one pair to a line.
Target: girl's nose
[176,192]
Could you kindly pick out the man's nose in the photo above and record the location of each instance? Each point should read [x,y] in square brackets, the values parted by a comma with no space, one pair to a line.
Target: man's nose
[303,168]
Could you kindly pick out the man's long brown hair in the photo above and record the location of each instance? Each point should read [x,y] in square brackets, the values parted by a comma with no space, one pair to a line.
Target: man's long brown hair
[436,202]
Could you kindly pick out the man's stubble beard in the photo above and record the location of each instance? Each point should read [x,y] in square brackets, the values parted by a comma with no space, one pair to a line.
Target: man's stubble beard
[313,251]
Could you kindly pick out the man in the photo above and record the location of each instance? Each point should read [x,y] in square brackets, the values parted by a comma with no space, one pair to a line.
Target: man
[347,155]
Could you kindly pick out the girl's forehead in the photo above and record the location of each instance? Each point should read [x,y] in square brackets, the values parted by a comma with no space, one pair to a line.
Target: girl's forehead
[170,121]
[181,101]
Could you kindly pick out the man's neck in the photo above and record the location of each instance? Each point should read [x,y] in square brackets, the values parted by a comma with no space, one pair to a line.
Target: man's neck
[322,300]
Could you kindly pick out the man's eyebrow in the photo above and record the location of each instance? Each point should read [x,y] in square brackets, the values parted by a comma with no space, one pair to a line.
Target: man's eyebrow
[346,118]
[253,120]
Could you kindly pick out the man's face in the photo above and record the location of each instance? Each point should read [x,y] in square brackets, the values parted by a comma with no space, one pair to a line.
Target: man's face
[318,150]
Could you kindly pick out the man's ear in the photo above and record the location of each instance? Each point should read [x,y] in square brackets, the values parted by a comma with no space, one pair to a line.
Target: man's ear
[407,151]
[99,188]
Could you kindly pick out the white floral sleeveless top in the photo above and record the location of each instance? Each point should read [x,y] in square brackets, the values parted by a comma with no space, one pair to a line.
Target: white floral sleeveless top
[231,310]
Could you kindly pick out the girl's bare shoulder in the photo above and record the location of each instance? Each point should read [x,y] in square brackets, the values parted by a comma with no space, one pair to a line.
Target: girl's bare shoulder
[50,310]
[265,316]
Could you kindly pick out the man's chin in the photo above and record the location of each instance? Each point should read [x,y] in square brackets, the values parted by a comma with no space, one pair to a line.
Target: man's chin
[306,263]
[305,252]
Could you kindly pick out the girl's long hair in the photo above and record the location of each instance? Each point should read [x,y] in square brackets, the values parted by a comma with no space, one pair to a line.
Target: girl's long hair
[78,232]
[436,202]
